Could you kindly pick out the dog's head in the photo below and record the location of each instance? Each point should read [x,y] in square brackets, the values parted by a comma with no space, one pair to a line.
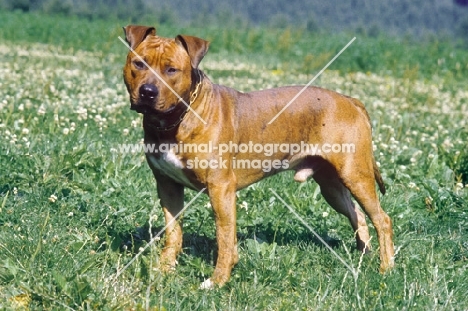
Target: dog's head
[160,71]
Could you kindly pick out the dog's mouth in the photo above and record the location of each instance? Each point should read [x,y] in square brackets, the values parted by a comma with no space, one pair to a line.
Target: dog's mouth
[140,108]
[145,109]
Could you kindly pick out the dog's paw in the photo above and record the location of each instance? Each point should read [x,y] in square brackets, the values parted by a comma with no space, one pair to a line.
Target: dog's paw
[207,284]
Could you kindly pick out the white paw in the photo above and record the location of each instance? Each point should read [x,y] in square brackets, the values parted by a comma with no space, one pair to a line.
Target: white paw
[207,284]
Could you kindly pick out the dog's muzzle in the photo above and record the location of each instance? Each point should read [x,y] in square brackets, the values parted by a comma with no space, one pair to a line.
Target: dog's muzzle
[147,95]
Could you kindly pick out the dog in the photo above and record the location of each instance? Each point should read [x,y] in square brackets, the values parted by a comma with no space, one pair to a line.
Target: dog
[182,107]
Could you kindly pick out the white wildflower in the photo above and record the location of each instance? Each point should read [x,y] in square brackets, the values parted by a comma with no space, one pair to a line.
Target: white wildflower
[244,205]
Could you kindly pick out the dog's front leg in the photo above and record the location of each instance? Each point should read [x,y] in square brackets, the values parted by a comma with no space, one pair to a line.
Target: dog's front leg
[171,196]
[223,199]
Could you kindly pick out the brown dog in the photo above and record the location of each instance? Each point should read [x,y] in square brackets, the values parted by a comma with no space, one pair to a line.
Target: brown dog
[181,108]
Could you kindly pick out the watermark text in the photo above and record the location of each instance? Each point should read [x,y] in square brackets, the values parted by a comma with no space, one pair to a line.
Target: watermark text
[266,149]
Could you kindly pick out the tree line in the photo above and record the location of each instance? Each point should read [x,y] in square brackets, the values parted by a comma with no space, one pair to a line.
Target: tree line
[397,17]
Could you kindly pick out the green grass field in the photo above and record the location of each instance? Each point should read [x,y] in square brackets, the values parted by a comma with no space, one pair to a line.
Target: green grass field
[74,211]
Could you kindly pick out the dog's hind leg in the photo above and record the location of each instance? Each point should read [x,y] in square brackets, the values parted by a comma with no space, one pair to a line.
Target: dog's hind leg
[339,197]
[363,190]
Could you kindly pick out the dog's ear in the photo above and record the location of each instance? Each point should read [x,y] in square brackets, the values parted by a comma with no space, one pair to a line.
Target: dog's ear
[195,47]
[135,34]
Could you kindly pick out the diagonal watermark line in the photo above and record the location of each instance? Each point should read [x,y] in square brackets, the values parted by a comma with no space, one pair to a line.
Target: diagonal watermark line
[315,233]
[311,81]
[161,79]
[158,234]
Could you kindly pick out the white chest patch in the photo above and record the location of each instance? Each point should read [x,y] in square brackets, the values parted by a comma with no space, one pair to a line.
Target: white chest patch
[170,165]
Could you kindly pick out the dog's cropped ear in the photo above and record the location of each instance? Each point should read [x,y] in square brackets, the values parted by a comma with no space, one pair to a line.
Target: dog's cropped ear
[195,47]
[136,34]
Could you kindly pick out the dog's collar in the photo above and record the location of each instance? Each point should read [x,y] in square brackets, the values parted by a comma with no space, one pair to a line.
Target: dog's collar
[193,97]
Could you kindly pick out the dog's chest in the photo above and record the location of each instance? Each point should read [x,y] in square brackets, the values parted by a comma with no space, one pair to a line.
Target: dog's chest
[169,164]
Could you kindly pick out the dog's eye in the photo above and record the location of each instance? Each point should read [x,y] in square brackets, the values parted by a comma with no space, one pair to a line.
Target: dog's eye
[171,70]
[139,65]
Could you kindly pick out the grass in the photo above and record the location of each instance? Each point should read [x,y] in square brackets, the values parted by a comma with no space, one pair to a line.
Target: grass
[73,211]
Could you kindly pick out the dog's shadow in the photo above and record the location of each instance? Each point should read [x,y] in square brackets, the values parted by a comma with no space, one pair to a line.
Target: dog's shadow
[205,247]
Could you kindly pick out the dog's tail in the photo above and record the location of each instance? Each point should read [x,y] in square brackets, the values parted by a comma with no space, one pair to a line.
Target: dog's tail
[378,178]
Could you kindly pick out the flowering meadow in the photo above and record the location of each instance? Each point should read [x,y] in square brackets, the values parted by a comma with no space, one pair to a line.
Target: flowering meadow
[74,211]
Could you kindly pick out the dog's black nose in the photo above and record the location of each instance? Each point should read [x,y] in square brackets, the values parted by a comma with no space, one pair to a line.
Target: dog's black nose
[148,92]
